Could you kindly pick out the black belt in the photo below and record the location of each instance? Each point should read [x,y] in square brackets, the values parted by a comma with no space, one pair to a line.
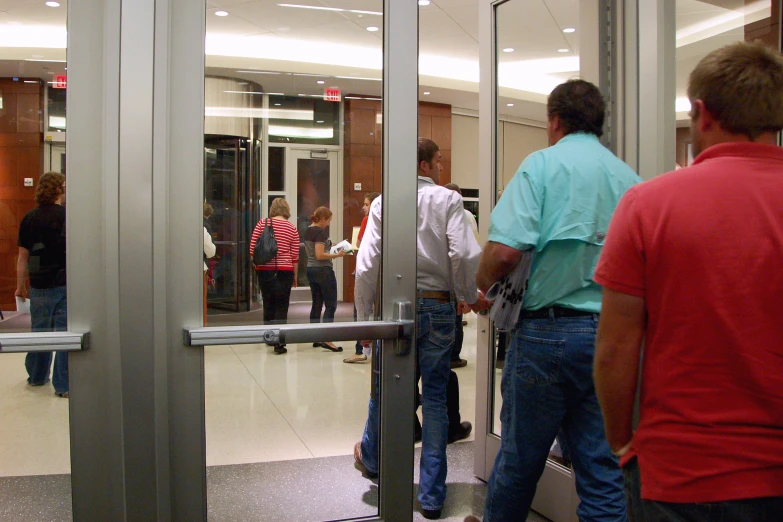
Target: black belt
[557,311]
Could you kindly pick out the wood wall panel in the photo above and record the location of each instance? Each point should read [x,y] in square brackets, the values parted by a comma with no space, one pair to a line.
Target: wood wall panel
[21,156]
[363,160]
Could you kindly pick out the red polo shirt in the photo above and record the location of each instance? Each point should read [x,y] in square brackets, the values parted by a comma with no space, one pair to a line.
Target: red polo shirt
[704,247]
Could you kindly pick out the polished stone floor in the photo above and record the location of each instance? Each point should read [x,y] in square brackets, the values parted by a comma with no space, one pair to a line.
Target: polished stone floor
[280,431]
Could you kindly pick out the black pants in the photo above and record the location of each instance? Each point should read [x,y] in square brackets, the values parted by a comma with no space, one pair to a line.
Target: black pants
[323,286]
[452,404]
[459,336]
[750,510]
[275,293]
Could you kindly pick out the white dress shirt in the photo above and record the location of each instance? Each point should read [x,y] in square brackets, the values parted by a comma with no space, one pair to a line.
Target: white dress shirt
[472,222]
[447,251]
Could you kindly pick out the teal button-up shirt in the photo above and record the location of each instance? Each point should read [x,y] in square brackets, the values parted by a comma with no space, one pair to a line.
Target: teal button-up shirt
[560,202]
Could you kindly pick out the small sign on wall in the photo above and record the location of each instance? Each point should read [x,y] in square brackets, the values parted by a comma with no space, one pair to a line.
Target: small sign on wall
[60,81]
[332,94]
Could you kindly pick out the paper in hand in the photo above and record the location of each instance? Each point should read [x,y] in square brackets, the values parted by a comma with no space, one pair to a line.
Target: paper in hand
[508,293]
[22,305]
[343,245]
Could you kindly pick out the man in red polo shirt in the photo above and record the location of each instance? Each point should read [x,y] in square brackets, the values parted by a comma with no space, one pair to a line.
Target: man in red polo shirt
[693,267]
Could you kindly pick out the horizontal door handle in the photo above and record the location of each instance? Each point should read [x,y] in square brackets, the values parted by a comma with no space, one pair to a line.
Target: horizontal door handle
[43,342]
[298,333]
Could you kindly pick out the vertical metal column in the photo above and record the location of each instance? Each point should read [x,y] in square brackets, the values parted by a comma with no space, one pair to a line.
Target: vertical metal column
[179,212]
[96,420]
[400,146]
[657,75]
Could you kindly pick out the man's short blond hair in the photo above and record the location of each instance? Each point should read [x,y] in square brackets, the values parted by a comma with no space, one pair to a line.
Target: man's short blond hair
[279,208]
[742,86]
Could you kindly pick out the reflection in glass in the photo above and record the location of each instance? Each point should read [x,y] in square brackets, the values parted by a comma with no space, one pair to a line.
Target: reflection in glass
[703,27]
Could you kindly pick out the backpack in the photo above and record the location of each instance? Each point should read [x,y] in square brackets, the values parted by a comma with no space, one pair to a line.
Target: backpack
[266,246]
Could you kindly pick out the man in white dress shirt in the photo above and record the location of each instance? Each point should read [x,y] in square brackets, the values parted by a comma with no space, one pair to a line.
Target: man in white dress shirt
[447,260]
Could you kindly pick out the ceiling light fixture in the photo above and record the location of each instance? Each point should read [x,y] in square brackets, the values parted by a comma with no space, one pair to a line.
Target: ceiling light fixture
[357,78]
[321,82]
[333,9]
[300,94]
[509,105]
[562,50]
[569,30]
[53,4]
[424,2]
[372,28]
[255,72]
[221,13]
[508,50]
[426,93]
[320,121]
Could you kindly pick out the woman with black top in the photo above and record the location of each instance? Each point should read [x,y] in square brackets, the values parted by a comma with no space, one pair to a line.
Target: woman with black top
[323,283]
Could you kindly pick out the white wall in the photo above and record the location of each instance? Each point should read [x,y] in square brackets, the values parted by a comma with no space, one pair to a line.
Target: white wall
[516,141]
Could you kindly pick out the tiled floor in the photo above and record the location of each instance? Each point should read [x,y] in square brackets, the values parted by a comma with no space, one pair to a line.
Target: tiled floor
[260,408]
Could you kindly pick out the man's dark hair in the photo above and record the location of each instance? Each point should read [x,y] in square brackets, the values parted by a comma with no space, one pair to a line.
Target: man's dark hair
[579,105]
[427,150]
[454,187]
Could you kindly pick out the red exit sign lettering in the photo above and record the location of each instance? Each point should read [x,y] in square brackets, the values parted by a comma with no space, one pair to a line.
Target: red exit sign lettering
[60,81]
[332,94]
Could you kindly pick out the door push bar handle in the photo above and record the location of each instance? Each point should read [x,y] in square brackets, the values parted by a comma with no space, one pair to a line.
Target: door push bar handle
[44,342]
[306,333]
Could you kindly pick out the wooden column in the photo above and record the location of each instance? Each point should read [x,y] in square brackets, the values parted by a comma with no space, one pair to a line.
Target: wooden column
[21,156]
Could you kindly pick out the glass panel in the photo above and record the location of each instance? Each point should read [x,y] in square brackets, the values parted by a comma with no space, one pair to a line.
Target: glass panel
[276,169]
[282,76]
[34,432]
[703,27]
[537,49]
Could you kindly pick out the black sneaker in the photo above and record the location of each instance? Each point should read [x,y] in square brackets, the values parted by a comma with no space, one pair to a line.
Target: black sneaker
[280,349]
[461,433]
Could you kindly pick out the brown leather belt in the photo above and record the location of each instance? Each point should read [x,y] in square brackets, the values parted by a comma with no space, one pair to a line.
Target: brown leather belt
[557,311]
[439,295]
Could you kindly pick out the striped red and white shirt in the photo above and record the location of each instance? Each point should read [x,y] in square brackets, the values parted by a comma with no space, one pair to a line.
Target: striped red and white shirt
[287,238]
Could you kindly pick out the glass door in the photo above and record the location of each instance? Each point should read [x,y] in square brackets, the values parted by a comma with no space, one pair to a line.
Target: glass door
[314,174]
[523,65]
[266,415]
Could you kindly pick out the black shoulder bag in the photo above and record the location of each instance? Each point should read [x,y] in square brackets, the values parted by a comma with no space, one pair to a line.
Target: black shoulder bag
[266,246]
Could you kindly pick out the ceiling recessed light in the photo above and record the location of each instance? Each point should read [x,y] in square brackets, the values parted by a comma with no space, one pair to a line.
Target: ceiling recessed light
[321,82]
[508,50]
[372,28]
[424,2]
[562,50]
[426,93]
[278,104]
[509,105]
[320,121]
[53,4]
[569,30]
[221,13]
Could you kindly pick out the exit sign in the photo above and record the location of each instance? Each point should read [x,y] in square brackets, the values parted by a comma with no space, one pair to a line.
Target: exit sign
[60,81]
[332,94]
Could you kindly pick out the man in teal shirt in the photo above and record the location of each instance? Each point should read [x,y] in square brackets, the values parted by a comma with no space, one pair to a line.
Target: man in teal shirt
[559,205]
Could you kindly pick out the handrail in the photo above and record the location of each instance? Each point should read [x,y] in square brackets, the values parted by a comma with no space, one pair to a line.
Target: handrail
[43,342]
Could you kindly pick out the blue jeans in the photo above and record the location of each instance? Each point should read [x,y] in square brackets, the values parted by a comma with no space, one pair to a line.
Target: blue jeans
[48,314]
[548,386]
[434,340]
[745,510]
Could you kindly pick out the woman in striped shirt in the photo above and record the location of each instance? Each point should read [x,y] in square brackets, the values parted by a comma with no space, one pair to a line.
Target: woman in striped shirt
[276,277]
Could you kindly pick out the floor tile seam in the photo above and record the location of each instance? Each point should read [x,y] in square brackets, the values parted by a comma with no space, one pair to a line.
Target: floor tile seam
[312,455]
